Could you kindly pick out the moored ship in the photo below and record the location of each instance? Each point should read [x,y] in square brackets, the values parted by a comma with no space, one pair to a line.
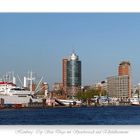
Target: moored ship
[16,95]
[11,94]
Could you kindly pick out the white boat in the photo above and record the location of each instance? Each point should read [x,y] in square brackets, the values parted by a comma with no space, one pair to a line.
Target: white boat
[16,95]
[70,102]
[135,101]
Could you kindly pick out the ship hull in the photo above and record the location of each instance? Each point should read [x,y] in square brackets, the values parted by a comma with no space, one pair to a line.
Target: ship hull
[18,99]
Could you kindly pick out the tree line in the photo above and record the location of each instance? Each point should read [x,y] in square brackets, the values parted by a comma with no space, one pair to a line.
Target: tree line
[87,95]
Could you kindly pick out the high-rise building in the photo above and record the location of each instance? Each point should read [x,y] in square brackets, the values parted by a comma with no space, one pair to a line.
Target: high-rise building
[118,86]
[125,69]
[64,75]
[71,75]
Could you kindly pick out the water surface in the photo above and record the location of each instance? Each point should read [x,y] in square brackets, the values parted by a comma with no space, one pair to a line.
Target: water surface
[117,115]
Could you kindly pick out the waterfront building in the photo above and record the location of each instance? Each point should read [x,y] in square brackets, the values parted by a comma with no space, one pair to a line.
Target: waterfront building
[100,85]
[118,86]
[73,75]
[64,75]
[125,69]
[57,86]
[44,88]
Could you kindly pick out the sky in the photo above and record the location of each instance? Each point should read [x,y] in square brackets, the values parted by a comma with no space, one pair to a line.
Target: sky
[39,42]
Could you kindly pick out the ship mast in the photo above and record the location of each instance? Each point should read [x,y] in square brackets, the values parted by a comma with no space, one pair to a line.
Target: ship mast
[30,78]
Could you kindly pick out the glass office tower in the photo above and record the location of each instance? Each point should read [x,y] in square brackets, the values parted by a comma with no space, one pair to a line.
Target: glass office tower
[73,75]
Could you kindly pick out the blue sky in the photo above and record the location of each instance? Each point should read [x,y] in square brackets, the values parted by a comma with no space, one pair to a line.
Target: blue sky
[40,41]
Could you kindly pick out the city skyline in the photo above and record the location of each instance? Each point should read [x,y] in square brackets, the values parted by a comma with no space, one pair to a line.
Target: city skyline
[40,42]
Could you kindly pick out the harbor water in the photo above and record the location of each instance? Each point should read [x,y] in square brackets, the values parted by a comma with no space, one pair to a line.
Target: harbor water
[109,115]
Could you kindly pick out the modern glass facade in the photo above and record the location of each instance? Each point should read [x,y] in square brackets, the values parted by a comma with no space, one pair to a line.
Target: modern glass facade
[73,76]
[74,73]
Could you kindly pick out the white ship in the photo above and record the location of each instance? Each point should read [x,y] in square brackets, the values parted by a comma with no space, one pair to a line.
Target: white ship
[11,94]
[15,95]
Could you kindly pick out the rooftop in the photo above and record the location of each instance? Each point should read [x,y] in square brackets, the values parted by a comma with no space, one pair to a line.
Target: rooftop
[125,63]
